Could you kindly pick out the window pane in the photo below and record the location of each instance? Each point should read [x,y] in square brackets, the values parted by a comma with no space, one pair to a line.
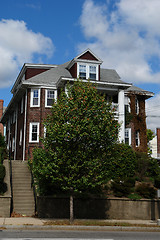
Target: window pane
[35,97]
[50,97]
[92,76]
[34,132]
[82,71]
[92,69]
[35,93]
[92,72]
[35,101]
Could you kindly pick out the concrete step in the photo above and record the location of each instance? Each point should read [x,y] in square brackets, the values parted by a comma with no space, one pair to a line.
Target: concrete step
[23,197]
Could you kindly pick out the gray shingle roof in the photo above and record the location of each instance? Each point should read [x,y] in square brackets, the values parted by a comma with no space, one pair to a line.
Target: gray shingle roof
[110,75]
[138,90]
[49,77]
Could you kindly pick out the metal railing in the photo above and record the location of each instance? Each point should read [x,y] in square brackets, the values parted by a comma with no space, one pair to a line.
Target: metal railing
[115,107]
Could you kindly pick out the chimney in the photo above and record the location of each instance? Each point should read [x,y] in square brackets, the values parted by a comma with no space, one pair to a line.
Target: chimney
[1,113]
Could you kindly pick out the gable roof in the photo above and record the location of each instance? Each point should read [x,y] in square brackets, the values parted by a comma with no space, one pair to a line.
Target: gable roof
[95,58]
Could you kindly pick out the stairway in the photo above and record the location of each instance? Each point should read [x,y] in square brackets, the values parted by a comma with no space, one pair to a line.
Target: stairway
[23,197]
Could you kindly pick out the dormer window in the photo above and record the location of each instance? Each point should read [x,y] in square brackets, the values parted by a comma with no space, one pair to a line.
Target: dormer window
[92,72]
[87,71]
[82,71]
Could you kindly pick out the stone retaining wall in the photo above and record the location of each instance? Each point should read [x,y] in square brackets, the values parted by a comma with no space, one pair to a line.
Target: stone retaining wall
[99,208]
[5,200]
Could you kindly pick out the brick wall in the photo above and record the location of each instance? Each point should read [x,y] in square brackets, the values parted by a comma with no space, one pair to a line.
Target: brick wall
[158,141]
[138,123]
[35,114]
[1,113]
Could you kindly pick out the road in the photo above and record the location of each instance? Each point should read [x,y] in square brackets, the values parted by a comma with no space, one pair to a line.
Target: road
[77,235]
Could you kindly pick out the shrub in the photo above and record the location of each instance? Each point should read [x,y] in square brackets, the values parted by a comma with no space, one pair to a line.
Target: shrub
[122,188]
[157,182]
[121,162]
[3,187]
[146,166]
[2,172]
[146,190]
[134,196]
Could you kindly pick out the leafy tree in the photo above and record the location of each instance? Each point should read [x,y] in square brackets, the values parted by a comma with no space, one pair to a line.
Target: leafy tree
[150,135]
[79,132]
[3,150]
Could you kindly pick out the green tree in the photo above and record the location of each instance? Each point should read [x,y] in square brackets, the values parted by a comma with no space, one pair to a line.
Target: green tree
[79,132]
[150,135]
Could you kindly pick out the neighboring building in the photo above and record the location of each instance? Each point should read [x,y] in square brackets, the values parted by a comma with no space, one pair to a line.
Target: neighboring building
[38,84]
[154,145]
[1,113]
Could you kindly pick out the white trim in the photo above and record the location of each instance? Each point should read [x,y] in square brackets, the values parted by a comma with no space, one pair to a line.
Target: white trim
[129,134]
[22,104]
[121,114]
[30,132]
[137,138]
[88,50]
[25,120]
[20,137]
[87,70]
[99,82]
[31,96]
[16,113]
[46,97]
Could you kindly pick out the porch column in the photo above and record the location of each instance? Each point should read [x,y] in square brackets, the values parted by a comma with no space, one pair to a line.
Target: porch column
[55,95]
[121,113]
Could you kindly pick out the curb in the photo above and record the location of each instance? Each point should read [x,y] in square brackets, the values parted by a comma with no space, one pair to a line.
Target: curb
[79,228]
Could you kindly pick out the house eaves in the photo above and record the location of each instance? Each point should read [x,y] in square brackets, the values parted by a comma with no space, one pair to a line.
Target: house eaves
[99,83]
[139,91]
[23,70]
[12,104]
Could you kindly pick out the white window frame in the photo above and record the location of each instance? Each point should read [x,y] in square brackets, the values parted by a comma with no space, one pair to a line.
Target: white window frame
[88,70]
[30,132]
[128,130]
[32,95]
[46,96]
[137,138]
[13,144]
[136,105]
[20,137]
[22,103]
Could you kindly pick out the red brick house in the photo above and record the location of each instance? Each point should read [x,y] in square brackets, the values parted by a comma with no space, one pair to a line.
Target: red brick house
[38,84]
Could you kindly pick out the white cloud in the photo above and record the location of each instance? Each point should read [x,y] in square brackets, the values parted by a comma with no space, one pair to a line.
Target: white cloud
[18,44]
[125,38]
[153,112]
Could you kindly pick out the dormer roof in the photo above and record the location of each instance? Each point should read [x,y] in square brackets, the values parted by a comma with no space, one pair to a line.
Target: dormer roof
[86,56]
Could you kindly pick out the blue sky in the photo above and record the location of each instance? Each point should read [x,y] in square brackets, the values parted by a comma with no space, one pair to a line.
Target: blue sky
[125,34]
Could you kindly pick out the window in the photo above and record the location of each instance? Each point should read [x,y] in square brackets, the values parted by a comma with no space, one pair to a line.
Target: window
[92,72]
[137,139]
[137,105]
[34,132]
[22,105]
[35,97]
[128,136]
[49,97]
[82,71]
[85,71]
[13,144]
[20,138]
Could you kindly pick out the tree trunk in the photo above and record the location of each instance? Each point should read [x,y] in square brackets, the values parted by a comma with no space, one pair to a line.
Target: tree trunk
[71,209]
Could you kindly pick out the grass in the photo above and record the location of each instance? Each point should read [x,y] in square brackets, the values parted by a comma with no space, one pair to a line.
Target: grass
[95,223]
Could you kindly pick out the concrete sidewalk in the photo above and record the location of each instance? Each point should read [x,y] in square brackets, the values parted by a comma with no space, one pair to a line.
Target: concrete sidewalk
[50,224]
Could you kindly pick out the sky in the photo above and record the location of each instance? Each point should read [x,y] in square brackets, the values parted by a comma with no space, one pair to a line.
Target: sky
[125,34]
